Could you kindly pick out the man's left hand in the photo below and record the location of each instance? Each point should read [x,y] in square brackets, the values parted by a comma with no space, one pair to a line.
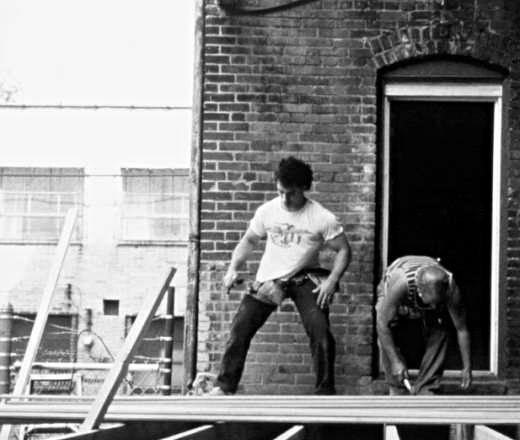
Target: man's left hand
[325,293]
[466,379]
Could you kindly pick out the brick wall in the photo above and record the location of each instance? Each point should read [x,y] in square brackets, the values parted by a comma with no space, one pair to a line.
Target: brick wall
[302,80]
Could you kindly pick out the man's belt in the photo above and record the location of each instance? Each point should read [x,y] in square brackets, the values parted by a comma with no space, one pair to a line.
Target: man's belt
[275,291]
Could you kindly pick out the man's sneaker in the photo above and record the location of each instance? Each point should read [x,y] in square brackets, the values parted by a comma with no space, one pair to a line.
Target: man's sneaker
[217,391]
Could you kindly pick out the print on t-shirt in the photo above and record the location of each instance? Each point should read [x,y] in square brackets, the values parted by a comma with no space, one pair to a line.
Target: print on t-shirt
[286,235]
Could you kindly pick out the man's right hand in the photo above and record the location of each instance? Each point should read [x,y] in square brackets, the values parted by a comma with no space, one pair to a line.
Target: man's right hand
[229,279]
[400,372]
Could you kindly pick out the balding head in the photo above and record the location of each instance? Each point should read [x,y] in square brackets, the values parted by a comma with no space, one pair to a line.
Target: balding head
[433,283]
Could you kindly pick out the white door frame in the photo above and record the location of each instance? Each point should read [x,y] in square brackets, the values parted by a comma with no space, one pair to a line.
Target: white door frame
[467,92]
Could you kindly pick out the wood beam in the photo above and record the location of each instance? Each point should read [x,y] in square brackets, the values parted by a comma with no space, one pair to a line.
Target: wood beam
[482,432]
[206,432]
[143,431]
[297,432]
[285,410]
[390,432]
[43,310]
[118,371]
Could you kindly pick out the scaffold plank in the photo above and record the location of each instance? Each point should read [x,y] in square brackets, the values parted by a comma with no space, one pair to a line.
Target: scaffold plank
[278,409]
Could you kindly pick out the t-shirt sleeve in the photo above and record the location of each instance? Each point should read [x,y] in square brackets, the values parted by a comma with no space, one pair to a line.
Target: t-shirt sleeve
[257,223]
[332,227]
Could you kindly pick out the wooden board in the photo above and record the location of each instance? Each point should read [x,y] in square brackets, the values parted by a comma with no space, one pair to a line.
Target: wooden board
[119,370]
[43,310]
[482,432]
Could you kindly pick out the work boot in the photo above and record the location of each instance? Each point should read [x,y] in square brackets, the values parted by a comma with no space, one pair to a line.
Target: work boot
[217,391]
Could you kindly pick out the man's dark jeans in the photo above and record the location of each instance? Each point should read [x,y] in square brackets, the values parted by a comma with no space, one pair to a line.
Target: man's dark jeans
[252,314]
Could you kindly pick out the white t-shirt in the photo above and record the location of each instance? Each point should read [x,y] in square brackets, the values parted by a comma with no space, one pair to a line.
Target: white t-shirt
[293,238]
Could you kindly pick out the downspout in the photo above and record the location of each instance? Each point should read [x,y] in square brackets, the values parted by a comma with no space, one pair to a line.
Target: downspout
[192,300]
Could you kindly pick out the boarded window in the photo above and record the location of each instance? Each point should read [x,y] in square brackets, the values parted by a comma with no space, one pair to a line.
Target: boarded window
[34,202]
[59,342]
[155,205]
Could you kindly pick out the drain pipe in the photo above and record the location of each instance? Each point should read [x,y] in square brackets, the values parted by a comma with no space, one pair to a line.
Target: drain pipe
[191,323]
[6,325]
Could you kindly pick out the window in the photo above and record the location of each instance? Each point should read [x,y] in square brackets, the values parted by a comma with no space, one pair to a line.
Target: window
[111,307]
[59,341]
[34,202]
[155,205]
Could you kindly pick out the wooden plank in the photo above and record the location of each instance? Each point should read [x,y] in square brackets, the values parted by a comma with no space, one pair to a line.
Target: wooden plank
[45,305]
[94,434]
[482,432]
[141,431]
[206,432]
[462,432]
[43,310]
[116,374]
[297,432]
[391,433]
[489,410]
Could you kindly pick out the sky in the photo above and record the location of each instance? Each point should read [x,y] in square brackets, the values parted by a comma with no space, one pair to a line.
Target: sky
[68,69]
[105,53]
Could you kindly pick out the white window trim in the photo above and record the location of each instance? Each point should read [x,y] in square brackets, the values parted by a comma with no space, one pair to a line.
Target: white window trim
[28,212]
[467,92]
[151,215]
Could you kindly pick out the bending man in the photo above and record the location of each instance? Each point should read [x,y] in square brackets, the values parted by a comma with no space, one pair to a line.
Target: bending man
[417,289]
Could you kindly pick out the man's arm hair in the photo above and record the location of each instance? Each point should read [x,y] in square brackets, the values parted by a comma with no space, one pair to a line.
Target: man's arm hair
[343,256]
[457,313]
[243,249]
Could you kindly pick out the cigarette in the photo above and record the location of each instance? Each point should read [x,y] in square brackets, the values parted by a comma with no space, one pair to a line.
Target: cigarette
[407,384]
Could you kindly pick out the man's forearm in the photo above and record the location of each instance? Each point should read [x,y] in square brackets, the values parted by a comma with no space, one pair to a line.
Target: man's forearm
[241,253]
[340,264]
[465,348]
[387,343]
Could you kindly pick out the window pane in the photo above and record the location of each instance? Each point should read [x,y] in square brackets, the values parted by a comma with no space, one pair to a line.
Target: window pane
[43,203]
[41,228]
[168,229]
[11,228]
[136,229]
[164,204]
[136,205]
[13,202]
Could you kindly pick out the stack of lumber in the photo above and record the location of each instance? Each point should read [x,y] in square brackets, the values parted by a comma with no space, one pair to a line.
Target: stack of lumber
[271,409]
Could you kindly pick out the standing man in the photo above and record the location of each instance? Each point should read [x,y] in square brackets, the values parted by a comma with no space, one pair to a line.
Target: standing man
[295,228]
[417,289]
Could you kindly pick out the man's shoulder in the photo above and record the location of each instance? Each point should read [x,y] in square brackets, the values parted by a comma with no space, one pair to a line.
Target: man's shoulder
[318,207]
[268,209]
[270,204]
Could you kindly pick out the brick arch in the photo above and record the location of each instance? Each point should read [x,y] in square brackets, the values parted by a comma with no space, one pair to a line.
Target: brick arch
[442,38]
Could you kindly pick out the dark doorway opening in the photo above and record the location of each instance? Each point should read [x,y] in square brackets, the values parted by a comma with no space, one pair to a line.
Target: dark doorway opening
[440,201]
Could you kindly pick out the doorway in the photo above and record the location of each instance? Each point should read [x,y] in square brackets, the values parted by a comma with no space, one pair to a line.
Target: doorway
[440,196]
[440,200]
